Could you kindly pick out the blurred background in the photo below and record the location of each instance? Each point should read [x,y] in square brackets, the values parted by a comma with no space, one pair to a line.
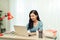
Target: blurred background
[49,12]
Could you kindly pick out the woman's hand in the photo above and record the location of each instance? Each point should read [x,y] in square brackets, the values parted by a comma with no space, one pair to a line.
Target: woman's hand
[31,33]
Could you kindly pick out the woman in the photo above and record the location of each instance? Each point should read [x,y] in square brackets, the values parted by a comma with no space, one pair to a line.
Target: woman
[34,24]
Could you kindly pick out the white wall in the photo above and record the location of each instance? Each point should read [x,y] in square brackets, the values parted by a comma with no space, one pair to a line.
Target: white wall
[47,9]
[4,5]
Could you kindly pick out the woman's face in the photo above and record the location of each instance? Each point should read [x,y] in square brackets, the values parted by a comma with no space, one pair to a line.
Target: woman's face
[33,16]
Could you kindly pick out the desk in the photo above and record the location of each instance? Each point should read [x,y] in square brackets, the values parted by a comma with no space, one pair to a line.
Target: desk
[15,37]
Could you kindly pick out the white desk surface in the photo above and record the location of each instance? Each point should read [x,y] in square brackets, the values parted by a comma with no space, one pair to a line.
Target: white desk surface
[13,36]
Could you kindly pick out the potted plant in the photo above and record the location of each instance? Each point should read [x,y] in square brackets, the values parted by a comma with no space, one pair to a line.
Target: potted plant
[2,30]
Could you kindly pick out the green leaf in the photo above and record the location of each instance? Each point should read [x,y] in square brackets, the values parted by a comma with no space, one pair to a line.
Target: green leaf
[0,14]
[0,23]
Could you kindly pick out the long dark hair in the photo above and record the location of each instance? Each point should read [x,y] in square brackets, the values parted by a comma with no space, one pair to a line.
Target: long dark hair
[30,25]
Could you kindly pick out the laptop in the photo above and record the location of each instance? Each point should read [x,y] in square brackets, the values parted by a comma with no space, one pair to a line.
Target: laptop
[21,30]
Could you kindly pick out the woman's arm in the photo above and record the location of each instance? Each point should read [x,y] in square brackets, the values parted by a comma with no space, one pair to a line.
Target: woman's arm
[31,33]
